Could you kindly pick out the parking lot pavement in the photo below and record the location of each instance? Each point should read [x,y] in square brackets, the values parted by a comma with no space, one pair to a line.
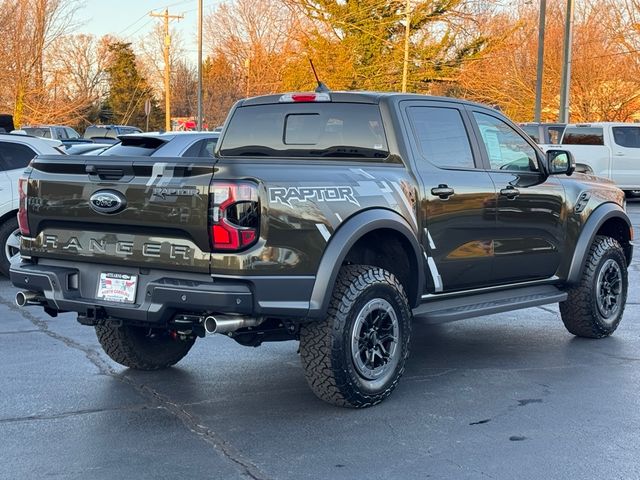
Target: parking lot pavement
[506,396]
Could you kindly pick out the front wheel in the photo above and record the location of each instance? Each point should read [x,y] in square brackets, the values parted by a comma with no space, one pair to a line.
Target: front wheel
[595,306]
[357,355]
[142,348]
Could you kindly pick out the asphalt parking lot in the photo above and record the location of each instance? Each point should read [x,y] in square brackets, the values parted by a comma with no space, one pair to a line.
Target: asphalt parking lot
[507,396]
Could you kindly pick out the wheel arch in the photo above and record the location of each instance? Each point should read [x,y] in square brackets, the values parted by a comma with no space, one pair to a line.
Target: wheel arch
[608,219]
[7,216]
[354,233]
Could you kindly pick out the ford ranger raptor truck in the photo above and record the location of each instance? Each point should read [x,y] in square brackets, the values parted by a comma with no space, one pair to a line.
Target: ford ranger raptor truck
[331,218]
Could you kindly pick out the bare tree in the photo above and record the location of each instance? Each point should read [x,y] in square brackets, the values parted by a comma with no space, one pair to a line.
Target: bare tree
[604,82]
[30,28]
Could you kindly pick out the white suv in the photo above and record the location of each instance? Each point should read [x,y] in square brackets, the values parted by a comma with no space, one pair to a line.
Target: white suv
[16,151]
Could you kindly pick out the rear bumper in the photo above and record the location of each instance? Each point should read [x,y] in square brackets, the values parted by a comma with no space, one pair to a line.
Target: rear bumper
[162,294]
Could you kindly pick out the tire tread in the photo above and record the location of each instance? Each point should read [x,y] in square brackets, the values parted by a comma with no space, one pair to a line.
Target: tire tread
[320,354]
[578,311]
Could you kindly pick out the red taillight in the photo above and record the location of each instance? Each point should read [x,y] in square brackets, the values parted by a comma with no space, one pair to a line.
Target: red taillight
[23,219]
[235,215]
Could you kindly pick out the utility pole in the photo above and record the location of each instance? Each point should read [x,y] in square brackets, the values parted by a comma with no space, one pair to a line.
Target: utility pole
[566,64]
[407,32]
[167,65]
[199,120]
[540,67]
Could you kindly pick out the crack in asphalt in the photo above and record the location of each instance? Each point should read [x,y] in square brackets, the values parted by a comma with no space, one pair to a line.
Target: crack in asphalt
[88,411]
[247,468]
[18,331]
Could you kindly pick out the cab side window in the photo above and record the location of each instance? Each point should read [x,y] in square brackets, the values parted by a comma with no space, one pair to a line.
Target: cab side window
[506,149]
[441,136]
[628,137]
[61,133]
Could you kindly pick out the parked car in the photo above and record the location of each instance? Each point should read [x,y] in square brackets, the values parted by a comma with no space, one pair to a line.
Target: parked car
[67,135]
[52,142]
[108,133]
[16,151]
[544,133]
[169,144]
[611,150]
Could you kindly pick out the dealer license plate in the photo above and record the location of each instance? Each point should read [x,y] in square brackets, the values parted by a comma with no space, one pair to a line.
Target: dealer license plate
[117,287]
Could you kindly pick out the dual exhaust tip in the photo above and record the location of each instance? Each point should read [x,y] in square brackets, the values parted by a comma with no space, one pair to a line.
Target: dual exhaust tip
[218,324]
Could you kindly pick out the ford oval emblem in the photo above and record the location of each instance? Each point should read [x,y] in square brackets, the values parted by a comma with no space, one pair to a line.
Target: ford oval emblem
[107,201]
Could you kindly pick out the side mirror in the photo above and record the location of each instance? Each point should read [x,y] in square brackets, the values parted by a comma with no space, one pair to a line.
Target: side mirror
[560,162]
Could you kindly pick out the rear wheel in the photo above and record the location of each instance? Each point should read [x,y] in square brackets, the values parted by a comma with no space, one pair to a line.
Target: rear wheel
[10,241]
[143,348]
[595,306]
[356,356]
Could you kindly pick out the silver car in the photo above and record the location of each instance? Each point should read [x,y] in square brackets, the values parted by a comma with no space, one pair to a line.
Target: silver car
[168,144]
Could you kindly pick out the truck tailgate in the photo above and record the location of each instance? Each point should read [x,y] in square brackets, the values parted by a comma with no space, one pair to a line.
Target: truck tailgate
[121,211]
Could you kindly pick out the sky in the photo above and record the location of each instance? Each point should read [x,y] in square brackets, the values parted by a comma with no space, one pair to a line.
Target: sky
[130,20]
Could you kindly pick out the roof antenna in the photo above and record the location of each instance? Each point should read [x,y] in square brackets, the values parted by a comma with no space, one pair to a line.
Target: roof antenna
[321,86]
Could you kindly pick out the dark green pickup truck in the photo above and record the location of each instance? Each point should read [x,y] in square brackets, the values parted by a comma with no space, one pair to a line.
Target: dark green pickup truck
[331,218]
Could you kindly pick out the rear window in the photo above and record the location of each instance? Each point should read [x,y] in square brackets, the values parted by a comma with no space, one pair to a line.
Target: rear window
[532,131]
[38,132]
[99,132]
[555,134]
[628,137]
[137,147]
[583,136]
[306,130]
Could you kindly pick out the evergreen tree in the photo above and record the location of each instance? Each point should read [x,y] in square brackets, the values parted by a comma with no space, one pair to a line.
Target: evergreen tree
[360,43]
[128,90]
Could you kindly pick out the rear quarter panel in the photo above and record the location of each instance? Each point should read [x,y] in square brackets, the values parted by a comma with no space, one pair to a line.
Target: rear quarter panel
[304,202]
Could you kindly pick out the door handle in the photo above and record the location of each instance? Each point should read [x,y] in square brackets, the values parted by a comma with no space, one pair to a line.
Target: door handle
[443,191]
[619,154]
[510,192]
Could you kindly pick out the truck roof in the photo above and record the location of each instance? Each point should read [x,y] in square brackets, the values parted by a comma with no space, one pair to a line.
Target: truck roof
[603,124]
[358,97]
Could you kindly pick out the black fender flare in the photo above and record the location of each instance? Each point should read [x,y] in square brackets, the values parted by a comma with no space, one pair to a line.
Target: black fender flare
[341,242]
[588,233]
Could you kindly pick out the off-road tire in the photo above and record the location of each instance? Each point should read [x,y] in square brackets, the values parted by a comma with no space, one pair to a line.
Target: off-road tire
[580,312]
[133,347]
[6,230]
[326,346]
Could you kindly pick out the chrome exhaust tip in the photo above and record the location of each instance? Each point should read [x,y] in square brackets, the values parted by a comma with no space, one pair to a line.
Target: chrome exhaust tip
[210,325]
[227,323]
[26,298]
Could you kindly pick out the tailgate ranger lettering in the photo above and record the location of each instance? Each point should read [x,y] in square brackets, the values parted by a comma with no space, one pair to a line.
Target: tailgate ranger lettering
[122,247]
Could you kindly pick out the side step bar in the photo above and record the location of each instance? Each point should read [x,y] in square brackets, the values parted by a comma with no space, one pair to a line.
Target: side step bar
[459,308]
